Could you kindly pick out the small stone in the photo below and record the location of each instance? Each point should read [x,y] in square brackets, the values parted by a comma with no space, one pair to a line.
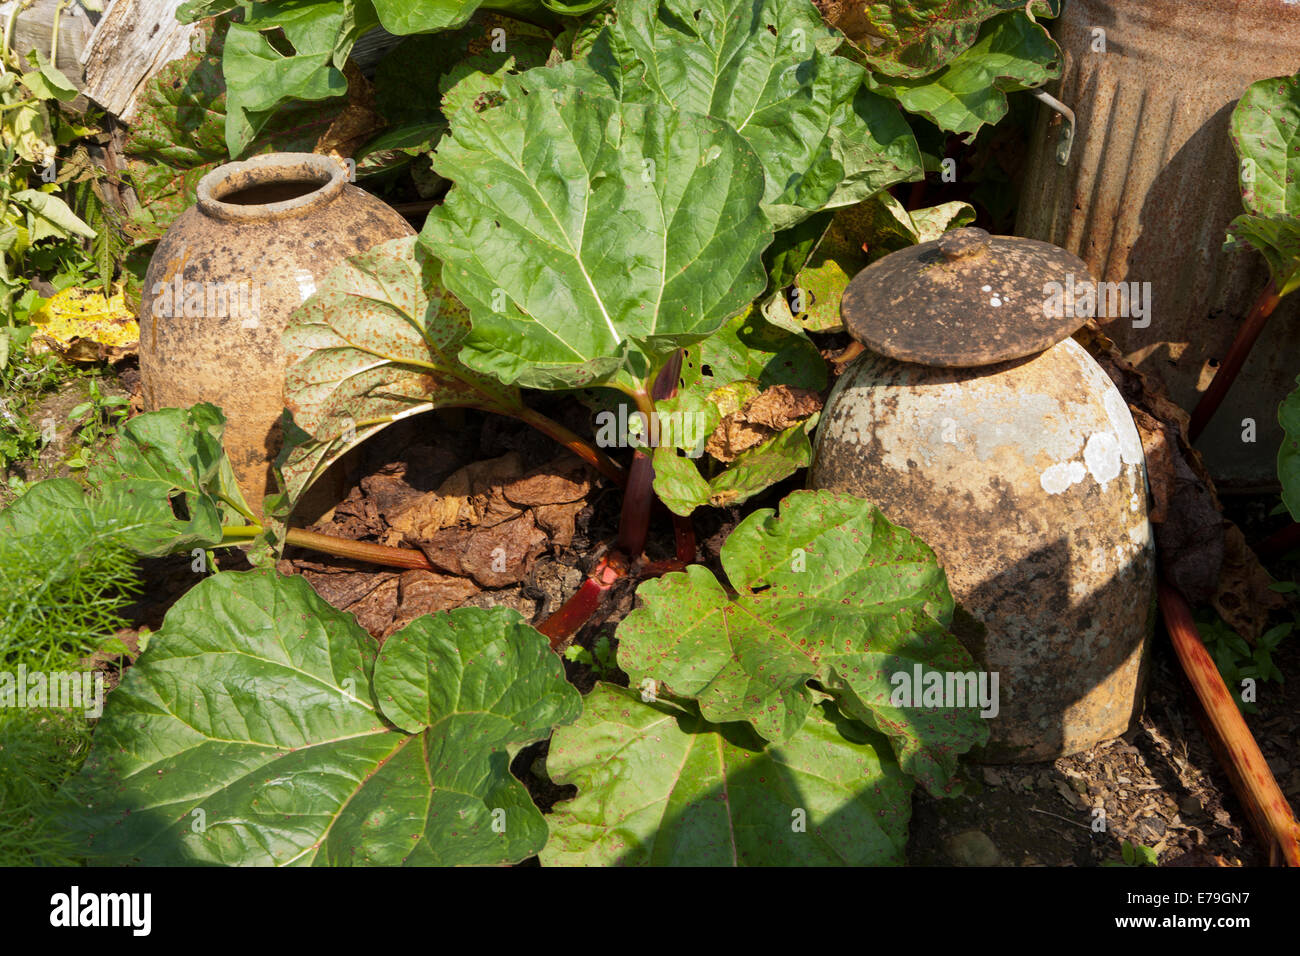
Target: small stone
[973,848]
[1027,782]
[1190,805]
[1079,784]
[992,777]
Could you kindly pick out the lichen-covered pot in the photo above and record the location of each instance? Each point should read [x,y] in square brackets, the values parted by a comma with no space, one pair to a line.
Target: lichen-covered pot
[224,280]
[1027,478]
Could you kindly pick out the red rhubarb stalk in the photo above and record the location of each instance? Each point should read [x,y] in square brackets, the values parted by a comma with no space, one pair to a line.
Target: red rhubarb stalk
[1234,360]
[1256,786]
[579,608]
[359,550]
[684,536]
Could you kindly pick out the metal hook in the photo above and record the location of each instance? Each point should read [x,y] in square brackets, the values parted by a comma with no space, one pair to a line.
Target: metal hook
[1066,139]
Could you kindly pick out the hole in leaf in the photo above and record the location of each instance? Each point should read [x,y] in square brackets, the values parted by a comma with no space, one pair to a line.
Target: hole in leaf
[180,507]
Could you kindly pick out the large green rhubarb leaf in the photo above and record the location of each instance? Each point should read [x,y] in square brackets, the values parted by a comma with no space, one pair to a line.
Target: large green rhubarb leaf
[375,343]
[1012,53]
[1266,134]
[590,239]
[660,786]
[828,591]
[262,726]
[766,69]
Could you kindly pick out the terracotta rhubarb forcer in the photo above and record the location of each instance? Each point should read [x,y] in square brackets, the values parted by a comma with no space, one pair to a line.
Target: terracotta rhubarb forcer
[974,421]
[226,276]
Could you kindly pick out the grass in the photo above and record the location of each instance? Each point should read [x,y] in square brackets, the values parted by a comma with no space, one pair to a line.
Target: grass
[62,593]
[39,749]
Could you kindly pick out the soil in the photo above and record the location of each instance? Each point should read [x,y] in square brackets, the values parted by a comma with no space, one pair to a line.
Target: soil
[1159,785]
[52,412]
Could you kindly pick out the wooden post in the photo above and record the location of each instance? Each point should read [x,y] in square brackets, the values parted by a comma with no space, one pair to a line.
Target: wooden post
[132,42]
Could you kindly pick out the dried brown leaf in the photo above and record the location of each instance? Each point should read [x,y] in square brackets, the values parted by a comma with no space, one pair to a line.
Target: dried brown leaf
[425,592]
[771,411]
[493,556]
[559,521]
[375,611]
[562,481]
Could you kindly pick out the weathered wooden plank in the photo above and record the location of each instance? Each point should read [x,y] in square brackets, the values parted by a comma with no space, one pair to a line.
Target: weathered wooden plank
[34,30]
[133,40]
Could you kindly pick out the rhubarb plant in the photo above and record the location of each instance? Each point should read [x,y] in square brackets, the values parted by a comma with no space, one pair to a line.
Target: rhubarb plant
[760,726]
[1266,135]
[596,257]
[635,196]
[767,70]
[826,598]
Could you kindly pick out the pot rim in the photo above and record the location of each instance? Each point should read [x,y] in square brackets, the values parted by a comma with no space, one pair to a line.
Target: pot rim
[263,170]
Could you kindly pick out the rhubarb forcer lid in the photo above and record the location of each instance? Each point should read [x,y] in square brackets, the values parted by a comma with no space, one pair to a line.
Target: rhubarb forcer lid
[965,299]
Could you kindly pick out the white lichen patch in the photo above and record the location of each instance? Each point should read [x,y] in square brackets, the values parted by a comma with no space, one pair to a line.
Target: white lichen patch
[1102,456]
[1057,478]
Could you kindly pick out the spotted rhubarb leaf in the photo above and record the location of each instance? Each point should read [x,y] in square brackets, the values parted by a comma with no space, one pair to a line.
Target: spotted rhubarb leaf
[1266,135]
[828,591]
[376,343]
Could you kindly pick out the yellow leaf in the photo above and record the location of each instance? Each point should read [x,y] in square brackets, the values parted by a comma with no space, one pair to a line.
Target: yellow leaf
[76,317]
